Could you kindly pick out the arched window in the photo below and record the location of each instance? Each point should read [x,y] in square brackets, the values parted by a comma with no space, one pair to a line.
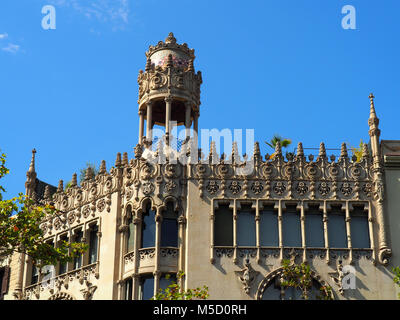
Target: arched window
[78,258]
[148,238]
[169,227]
[63,265]
[130,237]
[93,244]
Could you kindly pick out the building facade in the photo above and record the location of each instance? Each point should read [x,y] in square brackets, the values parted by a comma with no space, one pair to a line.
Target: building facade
[227,221]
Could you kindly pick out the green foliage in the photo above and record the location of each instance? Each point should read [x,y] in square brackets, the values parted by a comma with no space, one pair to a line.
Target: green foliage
[284,142]
[299,276]
[82,173]
[358,151]
[20,230]
[272,143]
[175,292]
[396,278]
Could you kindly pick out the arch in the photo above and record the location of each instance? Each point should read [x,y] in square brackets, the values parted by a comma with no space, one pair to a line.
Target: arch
[176,203]
[273,275]
[62,296]
[143,206]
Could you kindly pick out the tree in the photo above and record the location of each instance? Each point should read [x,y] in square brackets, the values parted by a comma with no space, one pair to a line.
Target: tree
[20,230]
[174,291]
[299,276]
[358,151]
[82,173]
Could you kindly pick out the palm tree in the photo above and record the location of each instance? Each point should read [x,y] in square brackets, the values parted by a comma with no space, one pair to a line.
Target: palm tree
[284,142]
[272,143]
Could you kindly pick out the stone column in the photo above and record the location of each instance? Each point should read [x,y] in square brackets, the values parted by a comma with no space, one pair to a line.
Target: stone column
[196,127]
[168,103]
[149,121]
[141,126]
[187,119]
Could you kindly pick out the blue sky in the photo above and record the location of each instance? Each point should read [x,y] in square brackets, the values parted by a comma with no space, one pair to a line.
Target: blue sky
[284,67]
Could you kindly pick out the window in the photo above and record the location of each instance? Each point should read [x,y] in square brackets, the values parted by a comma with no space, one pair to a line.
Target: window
[4,279]
[128,289]
[314,228]
[359,228]
[35,275]
[130,238]
[291,228]
[78,258]
[223,226]
[146,288]
[337,228]
[246,226]
[269,236]
[93,244]
[166,280]
[169,227]
[62,265]
[148,228]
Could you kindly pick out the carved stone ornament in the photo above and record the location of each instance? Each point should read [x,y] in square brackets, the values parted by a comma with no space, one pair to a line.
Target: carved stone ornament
[301,188]
[257,187]
[338,276]
[212,187]
[235,187]
[88,291]
[324,188]
[279,188]
[247,276]
[147,188]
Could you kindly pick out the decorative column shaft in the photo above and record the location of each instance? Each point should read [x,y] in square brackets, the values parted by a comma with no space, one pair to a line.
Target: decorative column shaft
[141,126]
[168,104]
[149,121]
[187,119]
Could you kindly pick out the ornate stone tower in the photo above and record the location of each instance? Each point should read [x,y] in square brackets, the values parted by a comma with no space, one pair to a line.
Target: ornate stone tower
[169,89]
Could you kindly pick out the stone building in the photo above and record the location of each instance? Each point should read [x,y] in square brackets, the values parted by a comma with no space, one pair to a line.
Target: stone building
[227,221]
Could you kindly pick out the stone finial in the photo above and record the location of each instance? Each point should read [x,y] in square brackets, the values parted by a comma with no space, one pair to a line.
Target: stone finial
[148,64]
[170,38]
[372,113]
[32,164]
[125,160]
[89,174]
[343,151]
[138,151]
[235,152]
[47,195]
[278,149]
[365,151]
[60,186]
[322,150]
[191,66]
[213,153]
[170,62]
[300,151]
[256,151]
[118,160]
[74,180]
[103,168]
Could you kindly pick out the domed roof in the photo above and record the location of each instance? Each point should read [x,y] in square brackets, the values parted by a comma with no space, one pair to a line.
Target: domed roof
[181,54]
